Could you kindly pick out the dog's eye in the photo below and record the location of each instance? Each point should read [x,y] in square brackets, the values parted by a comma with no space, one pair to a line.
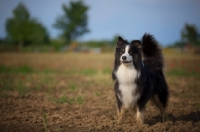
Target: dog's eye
[130,52]
[122,51]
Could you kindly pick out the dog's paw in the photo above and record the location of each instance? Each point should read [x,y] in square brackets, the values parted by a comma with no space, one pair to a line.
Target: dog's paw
[139,121]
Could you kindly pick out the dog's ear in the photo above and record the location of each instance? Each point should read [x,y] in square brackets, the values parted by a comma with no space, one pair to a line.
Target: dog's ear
[119,41]
[137,43]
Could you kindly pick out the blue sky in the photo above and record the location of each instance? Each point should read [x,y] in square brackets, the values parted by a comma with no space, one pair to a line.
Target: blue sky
[107,18]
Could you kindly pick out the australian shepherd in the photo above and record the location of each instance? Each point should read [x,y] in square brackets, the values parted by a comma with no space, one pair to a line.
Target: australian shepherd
[138,75]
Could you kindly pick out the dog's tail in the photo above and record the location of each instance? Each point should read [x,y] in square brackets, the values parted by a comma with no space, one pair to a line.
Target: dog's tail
[152,52]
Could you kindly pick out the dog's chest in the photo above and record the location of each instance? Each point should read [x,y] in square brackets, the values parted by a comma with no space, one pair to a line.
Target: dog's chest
[126,74]
[127,86]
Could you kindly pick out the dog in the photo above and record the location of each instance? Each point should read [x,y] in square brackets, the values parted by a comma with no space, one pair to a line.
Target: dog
[139,76]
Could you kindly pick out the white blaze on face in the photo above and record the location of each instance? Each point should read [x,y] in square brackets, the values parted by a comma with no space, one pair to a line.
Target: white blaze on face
[126,54]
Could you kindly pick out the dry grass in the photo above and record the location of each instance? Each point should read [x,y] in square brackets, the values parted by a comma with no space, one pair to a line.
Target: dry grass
[75,91]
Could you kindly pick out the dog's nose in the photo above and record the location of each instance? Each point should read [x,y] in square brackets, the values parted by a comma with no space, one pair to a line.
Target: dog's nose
[123,57]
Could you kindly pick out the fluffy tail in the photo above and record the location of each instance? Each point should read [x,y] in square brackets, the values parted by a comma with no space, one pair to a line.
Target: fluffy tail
[152,52]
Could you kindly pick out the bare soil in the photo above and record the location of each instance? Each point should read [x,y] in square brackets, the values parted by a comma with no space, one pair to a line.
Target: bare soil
[74,92]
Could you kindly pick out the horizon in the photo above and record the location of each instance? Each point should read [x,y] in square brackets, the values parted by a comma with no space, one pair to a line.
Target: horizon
[106,19]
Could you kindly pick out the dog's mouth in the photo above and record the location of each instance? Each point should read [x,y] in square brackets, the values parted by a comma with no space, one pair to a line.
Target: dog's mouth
[126,62]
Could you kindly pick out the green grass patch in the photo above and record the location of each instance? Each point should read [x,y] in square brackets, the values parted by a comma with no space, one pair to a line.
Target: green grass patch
[47,71]
[107,71]
[72,100]
[62,99]
[21,69]
[21,89]
[72,87]
[28,69]
[45,122]
[6,84]
[16,84]
[79,100]
[181,72]
[69,72]
[88,72]
[38,87]
[98,94]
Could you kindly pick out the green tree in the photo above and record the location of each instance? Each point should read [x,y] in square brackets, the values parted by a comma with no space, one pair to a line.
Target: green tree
[190,34]
[39,33]
[73,23]
[21,28]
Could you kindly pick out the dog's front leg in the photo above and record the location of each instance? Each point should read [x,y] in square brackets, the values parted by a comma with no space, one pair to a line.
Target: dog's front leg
[121,114]
[140,115]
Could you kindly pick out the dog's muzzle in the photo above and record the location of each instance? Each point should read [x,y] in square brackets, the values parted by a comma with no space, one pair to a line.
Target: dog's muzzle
[125,61]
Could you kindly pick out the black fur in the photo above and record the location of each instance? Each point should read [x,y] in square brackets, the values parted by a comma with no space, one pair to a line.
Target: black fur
[151,81]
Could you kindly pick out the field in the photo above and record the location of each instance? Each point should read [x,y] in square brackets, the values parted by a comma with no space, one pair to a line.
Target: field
[74,92]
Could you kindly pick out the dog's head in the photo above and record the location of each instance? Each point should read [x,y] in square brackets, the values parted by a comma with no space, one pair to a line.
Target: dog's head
[128,53]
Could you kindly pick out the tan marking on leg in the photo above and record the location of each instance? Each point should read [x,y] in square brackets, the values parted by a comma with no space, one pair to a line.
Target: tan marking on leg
[121,115]
[140,116]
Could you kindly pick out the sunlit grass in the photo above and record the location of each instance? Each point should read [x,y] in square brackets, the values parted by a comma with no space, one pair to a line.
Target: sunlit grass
[76,73]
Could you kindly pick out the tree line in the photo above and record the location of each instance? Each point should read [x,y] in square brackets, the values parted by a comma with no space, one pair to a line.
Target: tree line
[22,29]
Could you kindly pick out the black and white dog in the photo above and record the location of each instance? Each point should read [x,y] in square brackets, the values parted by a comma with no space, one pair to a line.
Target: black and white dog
[137,81]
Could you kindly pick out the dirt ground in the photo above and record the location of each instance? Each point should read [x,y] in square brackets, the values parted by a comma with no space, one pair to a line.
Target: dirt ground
[70,92]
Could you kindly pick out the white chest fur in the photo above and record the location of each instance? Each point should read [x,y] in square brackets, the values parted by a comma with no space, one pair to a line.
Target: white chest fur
[126,76]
